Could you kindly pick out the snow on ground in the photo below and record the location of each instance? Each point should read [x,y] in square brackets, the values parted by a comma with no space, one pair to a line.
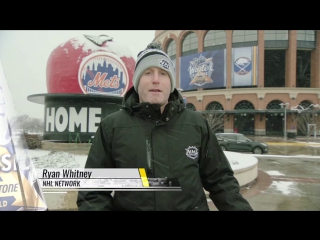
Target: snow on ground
[55,159]
[282,156]
[284,187]
[309,144]
[275,173]
[314,145]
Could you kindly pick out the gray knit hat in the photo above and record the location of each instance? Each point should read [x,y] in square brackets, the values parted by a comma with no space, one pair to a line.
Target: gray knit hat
[153,56]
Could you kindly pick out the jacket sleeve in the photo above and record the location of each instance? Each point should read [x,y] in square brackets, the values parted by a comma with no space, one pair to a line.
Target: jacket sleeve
[218,177]
[99,157]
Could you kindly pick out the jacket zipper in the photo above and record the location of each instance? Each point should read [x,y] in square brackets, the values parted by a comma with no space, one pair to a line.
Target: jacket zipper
[149,150]
[154,195]
[149,160]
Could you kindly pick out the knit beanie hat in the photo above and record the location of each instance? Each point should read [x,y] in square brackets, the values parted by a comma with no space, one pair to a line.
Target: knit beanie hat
[153,56]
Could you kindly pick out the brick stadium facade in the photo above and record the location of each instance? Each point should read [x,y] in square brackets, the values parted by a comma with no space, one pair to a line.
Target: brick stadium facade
[287,72]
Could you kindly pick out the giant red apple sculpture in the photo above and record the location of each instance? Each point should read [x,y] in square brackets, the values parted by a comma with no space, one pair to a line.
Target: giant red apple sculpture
[90,65]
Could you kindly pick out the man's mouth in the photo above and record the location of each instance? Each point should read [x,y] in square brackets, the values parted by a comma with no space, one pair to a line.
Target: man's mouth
[154,90]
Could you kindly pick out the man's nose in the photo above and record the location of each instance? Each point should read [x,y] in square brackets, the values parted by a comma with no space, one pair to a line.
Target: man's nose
[156,77]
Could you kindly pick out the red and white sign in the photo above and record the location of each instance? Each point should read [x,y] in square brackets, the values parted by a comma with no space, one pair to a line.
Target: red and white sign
[90,64]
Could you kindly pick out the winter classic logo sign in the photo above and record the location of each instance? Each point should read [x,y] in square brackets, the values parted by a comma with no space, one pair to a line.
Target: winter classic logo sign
[103,73]
[200,71]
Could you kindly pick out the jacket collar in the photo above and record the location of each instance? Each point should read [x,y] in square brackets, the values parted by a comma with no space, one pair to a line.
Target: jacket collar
[152,111]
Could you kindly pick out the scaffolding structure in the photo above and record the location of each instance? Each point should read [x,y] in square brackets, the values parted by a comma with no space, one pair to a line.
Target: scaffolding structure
[313,126]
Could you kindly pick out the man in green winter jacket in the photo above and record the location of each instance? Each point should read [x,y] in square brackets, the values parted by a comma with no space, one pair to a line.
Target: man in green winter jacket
[155,131]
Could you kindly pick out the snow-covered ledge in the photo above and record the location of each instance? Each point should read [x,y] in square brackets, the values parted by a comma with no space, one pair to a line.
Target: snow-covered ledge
[245,167]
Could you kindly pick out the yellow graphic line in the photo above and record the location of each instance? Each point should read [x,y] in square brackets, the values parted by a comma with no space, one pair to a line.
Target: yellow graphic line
[144,178]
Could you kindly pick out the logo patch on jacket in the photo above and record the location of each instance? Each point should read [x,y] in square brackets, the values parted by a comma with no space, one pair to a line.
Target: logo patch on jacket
[192,152]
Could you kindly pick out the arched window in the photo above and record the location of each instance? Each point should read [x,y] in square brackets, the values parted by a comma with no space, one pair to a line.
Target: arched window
[215,119]
[274,121]
[276,39]
[244,122]
[214,106]
[275,104]
[190,44]
[306,39]
[303,68]
[306,104]
[191,106]
[215,40]
[244,38]
[275,44]
[171,50]
[244,105]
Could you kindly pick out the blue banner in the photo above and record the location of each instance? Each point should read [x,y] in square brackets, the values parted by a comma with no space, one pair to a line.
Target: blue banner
[203,70]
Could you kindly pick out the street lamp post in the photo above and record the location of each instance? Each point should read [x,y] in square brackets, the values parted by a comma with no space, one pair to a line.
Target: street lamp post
[284,105]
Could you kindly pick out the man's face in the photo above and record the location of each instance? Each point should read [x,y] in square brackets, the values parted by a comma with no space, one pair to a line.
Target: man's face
[154,86]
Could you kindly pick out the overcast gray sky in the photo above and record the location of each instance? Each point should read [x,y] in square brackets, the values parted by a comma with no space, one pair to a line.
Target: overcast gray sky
[24,55]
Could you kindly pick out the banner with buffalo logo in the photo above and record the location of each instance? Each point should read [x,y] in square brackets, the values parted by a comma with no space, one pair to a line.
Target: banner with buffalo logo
[19,186]
[203,70]
[245,66]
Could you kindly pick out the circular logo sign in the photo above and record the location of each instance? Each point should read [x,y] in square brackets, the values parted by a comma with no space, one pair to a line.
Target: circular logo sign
[103,73]
[242,66]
